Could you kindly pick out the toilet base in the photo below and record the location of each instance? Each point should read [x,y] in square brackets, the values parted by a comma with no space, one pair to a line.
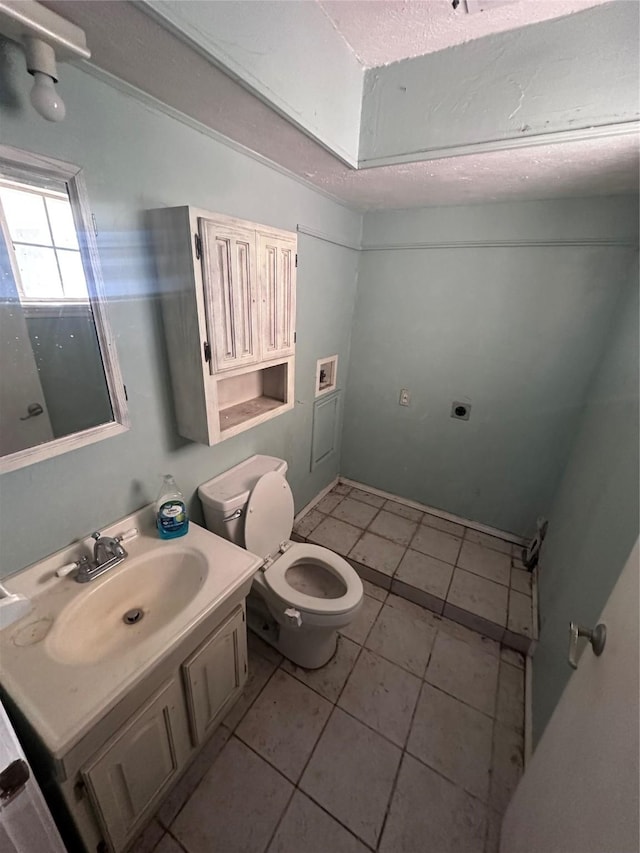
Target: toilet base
[260,621]
[310,647]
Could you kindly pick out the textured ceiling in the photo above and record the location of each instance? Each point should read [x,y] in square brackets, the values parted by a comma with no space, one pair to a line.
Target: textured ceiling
[384,31]
[586,168]
[130,45]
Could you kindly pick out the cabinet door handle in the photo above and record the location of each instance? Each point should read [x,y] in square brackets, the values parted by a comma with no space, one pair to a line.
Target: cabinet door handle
[12,780]
[33,410]
[597,637]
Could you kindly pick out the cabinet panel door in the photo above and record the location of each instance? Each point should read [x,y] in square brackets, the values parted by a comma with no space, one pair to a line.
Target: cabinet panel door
[229,274]
[134,768]
[278,294]
[215,674]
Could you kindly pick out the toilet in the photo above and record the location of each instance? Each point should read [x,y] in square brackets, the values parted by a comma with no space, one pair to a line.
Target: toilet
[302,593]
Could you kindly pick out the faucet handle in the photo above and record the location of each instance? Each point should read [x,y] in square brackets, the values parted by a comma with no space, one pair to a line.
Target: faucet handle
[127,536]
[96,535]
[63,571]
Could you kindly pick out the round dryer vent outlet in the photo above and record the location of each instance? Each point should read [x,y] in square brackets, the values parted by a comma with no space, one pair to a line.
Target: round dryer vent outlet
[461,411]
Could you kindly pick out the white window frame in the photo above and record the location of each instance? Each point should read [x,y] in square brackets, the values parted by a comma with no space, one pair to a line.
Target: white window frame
[21,165]
[24,186]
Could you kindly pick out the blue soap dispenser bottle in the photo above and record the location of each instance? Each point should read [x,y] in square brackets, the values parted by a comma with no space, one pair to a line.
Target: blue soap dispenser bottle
[171,513]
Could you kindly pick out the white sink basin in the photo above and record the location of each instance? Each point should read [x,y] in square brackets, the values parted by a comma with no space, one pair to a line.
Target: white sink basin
[72,658]
[130,604]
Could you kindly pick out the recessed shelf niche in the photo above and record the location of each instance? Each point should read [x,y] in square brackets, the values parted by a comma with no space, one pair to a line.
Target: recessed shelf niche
[326,375]
[253,397]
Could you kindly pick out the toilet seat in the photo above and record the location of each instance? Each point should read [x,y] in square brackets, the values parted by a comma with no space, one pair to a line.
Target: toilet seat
[275,577]
[268,525]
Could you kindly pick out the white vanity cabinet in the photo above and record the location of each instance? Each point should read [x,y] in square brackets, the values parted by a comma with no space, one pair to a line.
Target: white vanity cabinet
[214,675]
[114,779]
[228,293]
[136,766]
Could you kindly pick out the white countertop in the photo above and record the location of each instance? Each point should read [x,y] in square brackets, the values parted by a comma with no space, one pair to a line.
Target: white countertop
[62,701]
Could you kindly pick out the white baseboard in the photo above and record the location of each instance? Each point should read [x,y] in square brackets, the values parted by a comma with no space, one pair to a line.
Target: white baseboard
[448,516]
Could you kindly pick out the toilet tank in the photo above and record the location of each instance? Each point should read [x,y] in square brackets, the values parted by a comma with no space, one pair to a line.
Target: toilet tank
[227,493]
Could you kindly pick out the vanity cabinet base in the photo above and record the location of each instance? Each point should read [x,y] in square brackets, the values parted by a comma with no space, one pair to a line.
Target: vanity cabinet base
[116,790]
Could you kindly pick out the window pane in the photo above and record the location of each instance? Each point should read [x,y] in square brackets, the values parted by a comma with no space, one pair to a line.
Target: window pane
[26,216]
[38,272]
[62,226]
[73,280]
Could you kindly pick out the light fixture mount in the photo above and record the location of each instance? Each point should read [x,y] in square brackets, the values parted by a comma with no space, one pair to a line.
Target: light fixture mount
[45,37]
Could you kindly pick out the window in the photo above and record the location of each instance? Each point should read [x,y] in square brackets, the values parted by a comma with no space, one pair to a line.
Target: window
[41,237]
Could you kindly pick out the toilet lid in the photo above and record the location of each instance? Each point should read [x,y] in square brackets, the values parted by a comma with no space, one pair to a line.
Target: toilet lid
[269,518]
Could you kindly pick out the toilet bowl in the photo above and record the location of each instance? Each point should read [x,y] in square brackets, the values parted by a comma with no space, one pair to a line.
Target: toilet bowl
[302,593]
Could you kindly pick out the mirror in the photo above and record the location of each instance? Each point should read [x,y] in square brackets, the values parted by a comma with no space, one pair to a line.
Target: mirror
[60,384]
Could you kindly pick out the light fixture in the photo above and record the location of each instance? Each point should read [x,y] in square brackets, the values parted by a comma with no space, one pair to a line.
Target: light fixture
[41,62]
[45,37]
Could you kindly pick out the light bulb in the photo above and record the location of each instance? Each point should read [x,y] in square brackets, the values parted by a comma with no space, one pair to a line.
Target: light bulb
[45,99]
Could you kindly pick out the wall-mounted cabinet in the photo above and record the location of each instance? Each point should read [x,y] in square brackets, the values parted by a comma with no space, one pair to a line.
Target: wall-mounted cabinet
[228,293]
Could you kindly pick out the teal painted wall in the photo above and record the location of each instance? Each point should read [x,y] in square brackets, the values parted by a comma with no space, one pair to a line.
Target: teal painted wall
[136,158]
[594,519]
[559,75]
[515,329]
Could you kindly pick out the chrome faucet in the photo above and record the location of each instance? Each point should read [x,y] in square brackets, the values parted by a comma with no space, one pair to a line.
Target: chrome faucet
[107,554]
[106,548]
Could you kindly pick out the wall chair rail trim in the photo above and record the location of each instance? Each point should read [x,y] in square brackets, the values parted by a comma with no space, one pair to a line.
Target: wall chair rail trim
[501,244]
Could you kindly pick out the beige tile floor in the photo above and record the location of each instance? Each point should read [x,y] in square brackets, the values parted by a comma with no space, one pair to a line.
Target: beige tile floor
[453,570]
[410,739]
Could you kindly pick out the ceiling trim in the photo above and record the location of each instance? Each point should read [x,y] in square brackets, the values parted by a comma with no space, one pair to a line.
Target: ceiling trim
[155,104]
[582,134]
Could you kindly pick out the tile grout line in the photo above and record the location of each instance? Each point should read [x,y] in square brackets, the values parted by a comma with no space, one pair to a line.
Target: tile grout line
[282,816]
[446,597]
[174,838]
[294,786]
[493,745]
[458,699]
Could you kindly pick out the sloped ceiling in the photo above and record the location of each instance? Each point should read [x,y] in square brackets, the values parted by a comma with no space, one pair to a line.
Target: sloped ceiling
[136,49]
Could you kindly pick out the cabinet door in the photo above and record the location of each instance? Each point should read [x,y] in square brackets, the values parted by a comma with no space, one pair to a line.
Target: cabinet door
[277,293]
[215,674]
[229,274]
[135,767]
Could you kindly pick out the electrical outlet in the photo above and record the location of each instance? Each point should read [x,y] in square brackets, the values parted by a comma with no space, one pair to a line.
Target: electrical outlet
[404,397]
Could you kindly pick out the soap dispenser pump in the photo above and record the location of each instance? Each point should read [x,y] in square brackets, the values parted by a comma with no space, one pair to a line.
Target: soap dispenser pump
[171,513]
